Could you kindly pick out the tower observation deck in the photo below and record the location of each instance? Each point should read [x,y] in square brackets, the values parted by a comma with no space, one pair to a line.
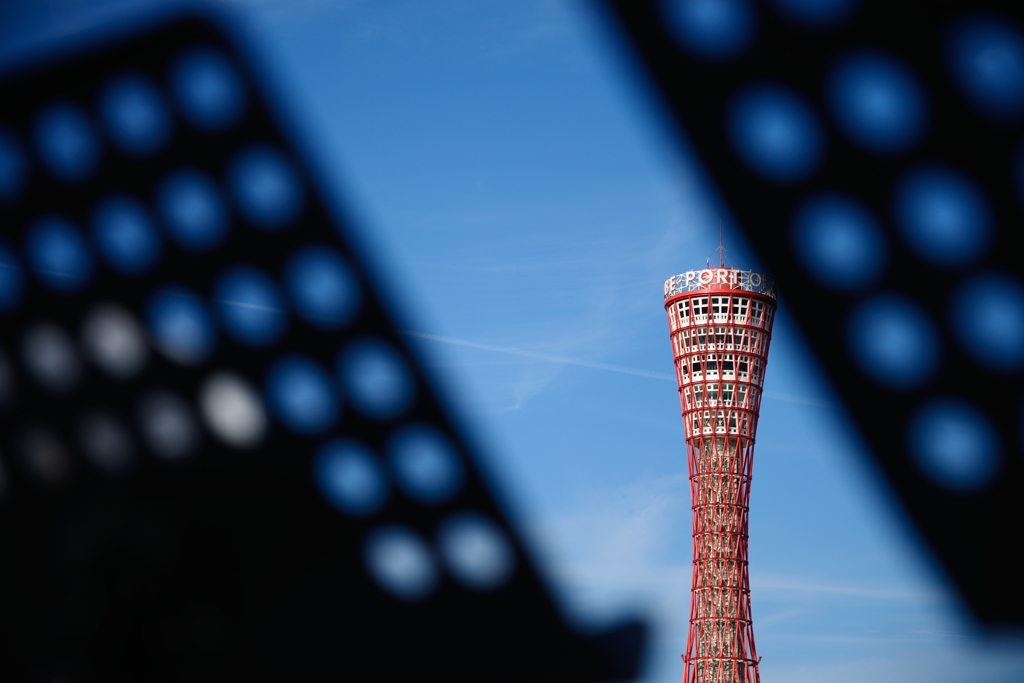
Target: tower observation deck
[720,321]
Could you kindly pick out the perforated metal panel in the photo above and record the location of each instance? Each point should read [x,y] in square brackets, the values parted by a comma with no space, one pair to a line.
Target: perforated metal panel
[871,151]
[219,459]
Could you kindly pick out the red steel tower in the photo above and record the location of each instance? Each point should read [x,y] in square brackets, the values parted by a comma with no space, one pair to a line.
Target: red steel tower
[721,322]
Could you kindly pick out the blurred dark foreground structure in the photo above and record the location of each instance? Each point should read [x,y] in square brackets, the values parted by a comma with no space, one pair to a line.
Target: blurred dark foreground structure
[873,150]
[219,460]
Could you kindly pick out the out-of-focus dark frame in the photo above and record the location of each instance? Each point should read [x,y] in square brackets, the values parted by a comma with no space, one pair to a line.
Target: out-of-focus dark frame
[973,534]
[112,578]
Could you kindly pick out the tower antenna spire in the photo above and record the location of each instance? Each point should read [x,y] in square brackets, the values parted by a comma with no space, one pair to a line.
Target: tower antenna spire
[721,248]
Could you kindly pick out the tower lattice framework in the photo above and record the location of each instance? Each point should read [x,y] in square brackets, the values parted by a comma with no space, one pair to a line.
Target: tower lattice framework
[720,320]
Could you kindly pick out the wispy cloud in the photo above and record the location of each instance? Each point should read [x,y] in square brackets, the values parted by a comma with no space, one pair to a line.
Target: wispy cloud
[629,548]
[765,584]
[956,661]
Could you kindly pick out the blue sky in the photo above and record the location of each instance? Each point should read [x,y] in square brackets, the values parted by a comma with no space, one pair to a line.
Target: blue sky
[524,203]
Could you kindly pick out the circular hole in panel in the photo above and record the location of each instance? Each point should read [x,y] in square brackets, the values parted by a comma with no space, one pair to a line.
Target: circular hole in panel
[126,236]
[250,307]
[425,464]
[67,142]
[168,426]
[878,102]
[45,456]
[106,443]
[817,13]
[986,57]
[114,341]
[839,242]
[400,562]
[350,478]
[12,282]
[988,320]
[893,341]
[180,325]
[193,210]
[49,356]
[59,255]
[476,551]
[942,216]
[135,115]
[13,168]
[301,395]
[714,30]
[322,287]
[266,189]
[954,445]
[375,378]
[775,133]
[233,410]
[208,89]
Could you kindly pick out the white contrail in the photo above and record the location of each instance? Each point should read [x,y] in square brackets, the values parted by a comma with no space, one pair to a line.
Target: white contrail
[594,365]
[621,369]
